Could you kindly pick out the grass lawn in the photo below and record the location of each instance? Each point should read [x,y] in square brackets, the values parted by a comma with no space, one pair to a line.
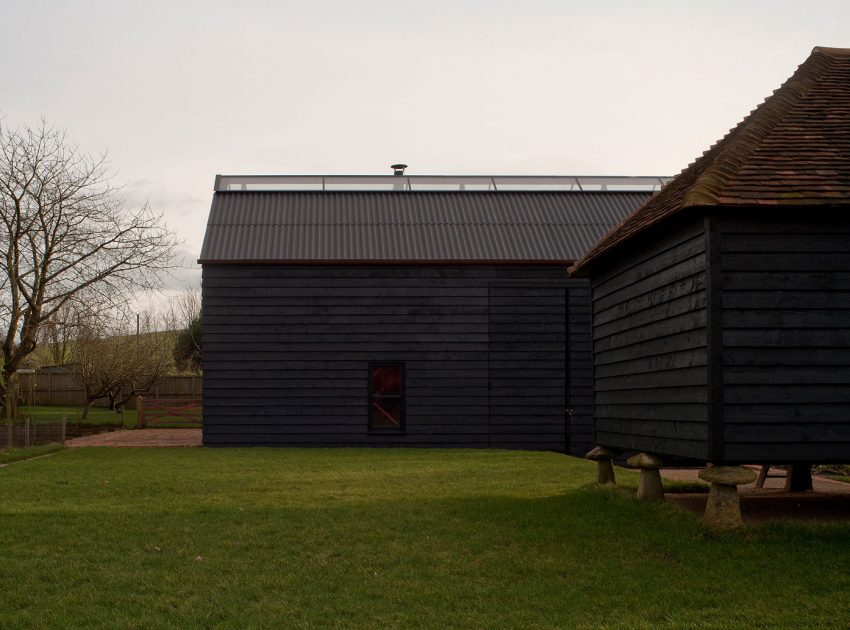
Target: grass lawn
[97,415]
[10,455]
[386,538]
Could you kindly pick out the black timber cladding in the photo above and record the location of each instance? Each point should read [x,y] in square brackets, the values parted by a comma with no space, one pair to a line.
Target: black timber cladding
[769,352]
[786,336]
[410,226]
[287,348]
[650,345]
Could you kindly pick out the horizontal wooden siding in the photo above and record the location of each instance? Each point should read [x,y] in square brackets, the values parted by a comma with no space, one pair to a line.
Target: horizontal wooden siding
[650,347]
[786,336]
[286,350]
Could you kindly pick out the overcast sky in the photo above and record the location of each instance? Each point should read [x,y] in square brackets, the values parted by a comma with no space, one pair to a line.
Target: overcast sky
[179,91]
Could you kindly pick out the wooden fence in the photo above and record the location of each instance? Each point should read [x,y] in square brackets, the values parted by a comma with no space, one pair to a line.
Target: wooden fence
[56,388]
[24,434]
[168,412]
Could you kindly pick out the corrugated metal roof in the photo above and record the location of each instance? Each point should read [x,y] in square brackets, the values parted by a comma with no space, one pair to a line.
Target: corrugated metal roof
[425,226]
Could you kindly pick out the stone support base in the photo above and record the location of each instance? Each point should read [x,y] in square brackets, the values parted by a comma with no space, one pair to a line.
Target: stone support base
[603,457]
[605,472]
[723,508]
[650,487]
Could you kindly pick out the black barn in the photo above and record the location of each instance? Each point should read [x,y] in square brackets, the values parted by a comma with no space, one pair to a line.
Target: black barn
[721,308]
[402,311]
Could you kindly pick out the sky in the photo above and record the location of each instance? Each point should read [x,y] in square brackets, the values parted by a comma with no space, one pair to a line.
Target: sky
[177,92]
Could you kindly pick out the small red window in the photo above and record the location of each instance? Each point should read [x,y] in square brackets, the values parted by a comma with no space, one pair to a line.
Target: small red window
[386,396]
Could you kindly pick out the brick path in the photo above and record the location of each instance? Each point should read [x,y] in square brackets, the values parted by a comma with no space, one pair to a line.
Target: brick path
[776,483]
[830,500]
[140,438]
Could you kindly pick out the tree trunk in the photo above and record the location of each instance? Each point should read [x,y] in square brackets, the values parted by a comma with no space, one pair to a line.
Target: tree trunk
[9,397]
[5,390]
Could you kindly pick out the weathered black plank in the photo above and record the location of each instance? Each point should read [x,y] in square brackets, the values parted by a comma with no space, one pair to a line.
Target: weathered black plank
[801,298]
[527,398]
[804,338]
[671,394]
[650,347]
[827,316]
[662,345]
[653,363]
[696,449]
[695,412]
[287,349]
[767,412]
[655,428]
[788,432]
[781,280]
[785,394]
[832,452]
[650,380]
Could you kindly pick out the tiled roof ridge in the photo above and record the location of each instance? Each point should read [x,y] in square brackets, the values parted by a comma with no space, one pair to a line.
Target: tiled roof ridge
[732,151]
[702,183]
[832,52]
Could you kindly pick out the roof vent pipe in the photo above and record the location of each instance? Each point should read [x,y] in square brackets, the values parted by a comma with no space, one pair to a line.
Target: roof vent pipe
[398,169]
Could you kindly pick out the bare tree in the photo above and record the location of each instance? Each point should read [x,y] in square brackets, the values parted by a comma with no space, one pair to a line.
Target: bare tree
[64,233]
[115,361]
[185,314]
[57,334]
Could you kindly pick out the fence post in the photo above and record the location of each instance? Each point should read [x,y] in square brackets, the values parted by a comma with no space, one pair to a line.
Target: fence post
[64,424]
[140,412]
[26,432]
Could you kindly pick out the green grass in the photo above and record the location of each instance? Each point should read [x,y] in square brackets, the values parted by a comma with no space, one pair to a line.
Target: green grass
[843,478]
[384,538]
[97,415]
[10,455]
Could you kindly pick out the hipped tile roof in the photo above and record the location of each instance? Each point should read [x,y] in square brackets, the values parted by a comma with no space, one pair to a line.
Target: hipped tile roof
[793,149]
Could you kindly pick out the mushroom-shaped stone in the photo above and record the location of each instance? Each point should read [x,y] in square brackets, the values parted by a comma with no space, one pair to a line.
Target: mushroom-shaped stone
[650,487]
[644,460]
[603,455]
[723,508]
[599,453]
[728,475]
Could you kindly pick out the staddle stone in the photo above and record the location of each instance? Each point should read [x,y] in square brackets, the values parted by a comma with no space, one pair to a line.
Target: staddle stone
[728,475]
[644,460]
[600,453]
[650,487]
[723,508]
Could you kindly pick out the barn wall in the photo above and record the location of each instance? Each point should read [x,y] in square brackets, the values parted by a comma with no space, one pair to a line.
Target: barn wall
[650,346]
[286,350]
[786,337]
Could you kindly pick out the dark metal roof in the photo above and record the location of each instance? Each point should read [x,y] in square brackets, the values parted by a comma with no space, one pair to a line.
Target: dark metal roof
[410,227]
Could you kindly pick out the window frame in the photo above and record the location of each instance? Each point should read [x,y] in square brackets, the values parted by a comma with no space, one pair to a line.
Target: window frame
[401,398]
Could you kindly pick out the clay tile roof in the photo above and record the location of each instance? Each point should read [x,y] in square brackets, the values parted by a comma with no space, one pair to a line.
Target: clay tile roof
[793,149]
